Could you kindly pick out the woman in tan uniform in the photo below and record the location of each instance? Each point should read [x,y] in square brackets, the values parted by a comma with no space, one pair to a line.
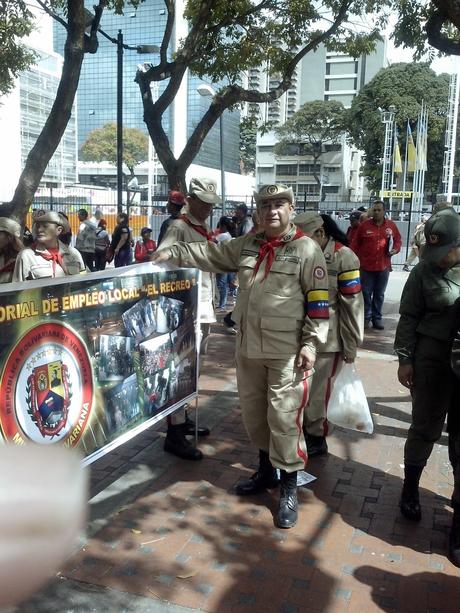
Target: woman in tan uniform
[10,246]
[282,314]
[48,257]
[346,322]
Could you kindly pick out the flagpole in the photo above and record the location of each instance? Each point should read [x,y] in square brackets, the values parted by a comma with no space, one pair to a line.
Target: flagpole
[392,169]
[404,187]
[405,168]
[424,154]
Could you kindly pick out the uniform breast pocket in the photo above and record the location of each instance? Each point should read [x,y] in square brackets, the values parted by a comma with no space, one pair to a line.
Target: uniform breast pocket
[283,279]
[246,272]
[439,298]
[73,267]
[40,271]
[280,335]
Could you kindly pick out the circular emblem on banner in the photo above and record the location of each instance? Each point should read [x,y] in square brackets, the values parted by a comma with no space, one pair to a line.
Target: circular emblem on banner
[211,187]
[319,273]
[433,239]
[46,387]
[272,189]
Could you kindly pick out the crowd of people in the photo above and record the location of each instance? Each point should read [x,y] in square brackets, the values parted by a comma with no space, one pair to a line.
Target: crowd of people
[305,291]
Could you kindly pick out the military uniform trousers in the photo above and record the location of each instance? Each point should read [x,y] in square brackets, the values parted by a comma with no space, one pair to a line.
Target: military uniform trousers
[273,394]
[179,416]
[327,367]
[435,394]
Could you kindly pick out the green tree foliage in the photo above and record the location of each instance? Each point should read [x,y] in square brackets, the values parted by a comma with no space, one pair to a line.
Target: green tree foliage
[404,86]
[248,139]
[421,23]
[225,39]
[16,21]
[101,146]
[313,125]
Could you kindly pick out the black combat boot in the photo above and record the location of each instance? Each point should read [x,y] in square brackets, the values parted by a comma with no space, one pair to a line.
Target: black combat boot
[264,478]
[286,516]
[177,444]
[454,537]
[410,501]
[316,445]
[189,427]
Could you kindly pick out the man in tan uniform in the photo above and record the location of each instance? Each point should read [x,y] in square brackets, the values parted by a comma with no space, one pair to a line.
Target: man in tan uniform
[282,314]
[191,227]
[48,257]
[346,322]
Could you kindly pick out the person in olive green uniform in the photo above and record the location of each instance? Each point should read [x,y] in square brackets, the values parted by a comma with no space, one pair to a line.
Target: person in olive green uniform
[282,314]
[423,342]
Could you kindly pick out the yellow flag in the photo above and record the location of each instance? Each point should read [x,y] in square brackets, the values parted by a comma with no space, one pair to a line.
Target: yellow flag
[397,164]
[411,151]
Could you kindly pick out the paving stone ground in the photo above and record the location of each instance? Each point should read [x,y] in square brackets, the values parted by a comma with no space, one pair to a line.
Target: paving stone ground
[169,535]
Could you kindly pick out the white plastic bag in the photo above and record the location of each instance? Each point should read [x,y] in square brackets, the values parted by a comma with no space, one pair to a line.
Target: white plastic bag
[348,406]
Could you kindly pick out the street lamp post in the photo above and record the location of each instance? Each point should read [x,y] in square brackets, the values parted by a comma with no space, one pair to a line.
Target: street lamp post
[142,49]
[208,91]
[387,118]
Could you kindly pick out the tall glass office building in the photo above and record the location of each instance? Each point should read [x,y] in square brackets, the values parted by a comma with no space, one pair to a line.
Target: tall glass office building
[97,100]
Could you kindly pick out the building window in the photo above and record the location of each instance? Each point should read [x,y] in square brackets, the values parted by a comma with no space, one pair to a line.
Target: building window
[333,85]
[339,68]
[309,169]
[330,189]
[286,170]
[333,147]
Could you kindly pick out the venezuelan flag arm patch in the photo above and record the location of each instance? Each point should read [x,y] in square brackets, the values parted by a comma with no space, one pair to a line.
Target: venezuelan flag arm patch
[318,304]
[349,282]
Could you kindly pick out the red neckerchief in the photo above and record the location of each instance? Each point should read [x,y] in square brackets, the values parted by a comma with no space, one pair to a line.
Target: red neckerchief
[267,250]
[52,255]
[199,229]
[337,246]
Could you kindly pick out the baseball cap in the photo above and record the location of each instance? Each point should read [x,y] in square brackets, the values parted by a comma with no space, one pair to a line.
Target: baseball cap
[205,190]
[10,226]
[51,217]
[273,192]
[308,221]
[144,230]
[442,233]
[177,198]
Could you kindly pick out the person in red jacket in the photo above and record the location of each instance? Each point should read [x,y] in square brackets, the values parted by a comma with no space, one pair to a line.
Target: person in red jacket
[145,247]
[376,240]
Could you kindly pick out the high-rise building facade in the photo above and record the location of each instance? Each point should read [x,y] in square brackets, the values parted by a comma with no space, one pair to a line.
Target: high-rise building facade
[321,75]
[24,111]
[97,90]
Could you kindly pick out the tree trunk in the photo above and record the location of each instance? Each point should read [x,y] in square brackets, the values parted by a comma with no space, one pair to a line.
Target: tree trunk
[55,125]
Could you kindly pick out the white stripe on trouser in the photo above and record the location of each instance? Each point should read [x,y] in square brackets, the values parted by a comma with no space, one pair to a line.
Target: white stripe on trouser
[327,367]
[273,394]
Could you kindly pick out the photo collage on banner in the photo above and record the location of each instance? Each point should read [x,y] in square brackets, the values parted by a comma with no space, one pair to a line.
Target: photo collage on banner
[86,360]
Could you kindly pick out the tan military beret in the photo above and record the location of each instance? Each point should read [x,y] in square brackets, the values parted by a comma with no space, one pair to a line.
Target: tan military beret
[10,226]
[308,221]
[274,192]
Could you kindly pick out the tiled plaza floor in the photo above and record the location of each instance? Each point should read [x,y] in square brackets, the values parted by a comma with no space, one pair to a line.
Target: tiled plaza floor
[169,531]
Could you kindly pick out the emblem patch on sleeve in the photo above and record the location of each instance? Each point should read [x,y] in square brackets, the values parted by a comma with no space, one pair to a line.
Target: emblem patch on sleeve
[319,272]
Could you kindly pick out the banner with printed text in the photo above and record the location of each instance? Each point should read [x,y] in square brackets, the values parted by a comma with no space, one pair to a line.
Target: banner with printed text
[89,360]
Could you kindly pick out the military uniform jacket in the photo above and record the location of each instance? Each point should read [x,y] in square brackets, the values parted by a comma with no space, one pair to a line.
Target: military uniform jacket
[427,307]
[278,314]
[179,231]
[346,305]
[31,265]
